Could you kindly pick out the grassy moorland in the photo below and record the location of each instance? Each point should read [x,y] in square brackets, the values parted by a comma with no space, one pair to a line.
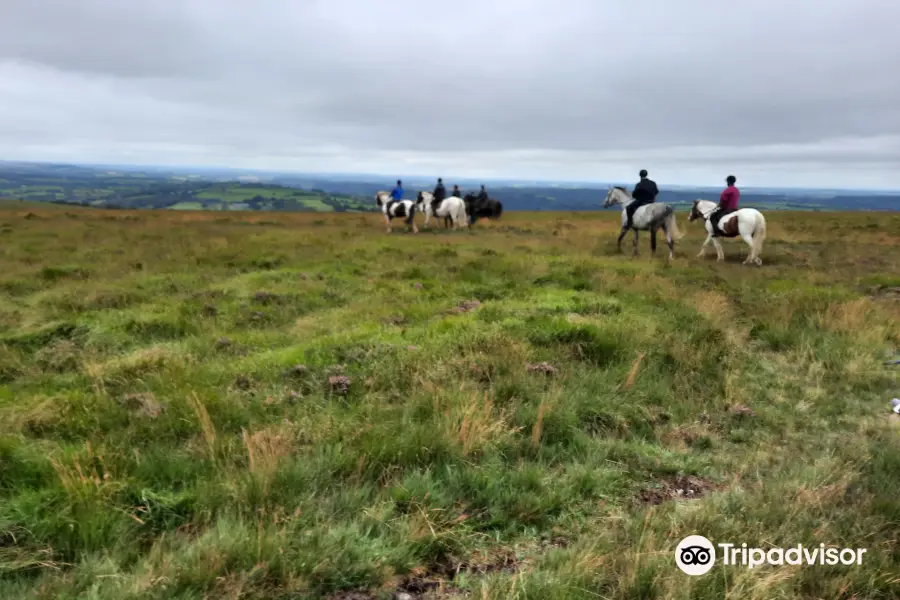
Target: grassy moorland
[198,405]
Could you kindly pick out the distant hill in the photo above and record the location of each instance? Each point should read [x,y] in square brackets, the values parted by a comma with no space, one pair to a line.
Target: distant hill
[232,189]
[111,188]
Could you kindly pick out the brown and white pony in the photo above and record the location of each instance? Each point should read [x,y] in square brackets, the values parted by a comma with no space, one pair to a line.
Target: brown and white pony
[748,223]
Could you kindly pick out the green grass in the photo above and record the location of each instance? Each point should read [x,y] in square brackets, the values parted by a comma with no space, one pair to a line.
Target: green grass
[315,203]
[239,193]
[157,439]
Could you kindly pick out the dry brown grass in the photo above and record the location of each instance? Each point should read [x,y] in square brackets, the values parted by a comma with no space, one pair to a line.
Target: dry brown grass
[473,425]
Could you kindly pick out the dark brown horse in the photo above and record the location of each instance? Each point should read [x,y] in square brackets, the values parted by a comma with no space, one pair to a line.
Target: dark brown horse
[482,209]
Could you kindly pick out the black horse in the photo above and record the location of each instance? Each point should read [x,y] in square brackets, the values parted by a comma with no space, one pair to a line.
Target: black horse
[477,208]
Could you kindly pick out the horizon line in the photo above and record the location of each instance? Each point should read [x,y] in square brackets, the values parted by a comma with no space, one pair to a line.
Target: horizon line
[377,176]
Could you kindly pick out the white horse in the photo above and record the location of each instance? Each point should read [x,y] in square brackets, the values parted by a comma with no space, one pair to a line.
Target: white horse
[649,217]
[451,207]
[748,223]
[393,209]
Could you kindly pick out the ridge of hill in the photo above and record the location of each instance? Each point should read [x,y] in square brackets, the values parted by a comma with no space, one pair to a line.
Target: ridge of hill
[112,187]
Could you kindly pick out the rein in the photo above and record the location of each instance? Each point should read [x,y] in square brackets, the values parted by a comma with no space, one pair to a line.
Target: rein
[706,216]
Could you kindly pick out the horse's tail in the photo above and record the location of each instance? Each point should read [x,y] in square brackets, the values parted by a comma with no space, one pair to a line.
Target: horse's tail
[672,224]
[759,234]
[499,210]
[462,215]
[412,214]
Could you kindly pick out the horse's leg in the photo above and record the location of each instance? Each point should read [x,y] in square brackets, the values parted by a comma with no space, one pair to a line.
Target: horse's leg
[747,234]
[720,253]
[706,242]
[670,242]
[751,258]
[621,236]
[387,220]
[653,241]
[635,242]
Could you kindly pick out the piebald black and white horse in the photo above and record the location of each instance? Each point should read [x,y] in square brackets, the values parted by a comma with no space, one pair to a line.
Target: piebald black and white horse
[451,207]
[394,209]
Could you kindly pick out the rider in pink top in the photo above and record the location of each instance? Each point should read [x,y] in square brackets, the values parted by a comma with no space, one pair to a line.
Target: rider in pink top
[729,199]
[728,203]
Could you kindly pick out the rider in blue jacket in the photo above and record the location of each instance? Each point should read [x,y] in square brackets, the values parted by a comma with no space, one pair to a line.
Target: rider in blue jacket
[397,192]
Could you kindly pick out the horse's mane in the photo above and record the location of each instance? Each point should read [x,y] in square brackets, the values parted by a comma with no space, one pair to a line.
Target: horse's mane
[620,188]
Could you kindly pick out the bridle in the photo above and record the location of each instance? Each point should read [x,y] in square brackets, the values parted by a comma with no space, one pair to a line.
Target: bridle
[613,193]
[706,215]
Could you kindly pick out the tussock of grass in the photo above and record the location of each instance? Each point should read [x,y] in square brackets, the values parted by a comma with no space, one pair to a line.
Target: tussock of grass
[194,407]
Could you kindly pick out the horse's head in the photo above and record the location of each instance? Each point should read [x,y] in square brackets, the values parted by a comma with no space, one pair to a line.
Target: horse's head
[695,213]
[612,197]
[701,209]
[380,198]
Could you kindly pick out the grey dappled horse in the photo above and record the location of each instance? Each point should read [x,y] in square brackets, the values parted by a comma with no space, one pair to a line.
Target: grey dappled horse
[649,217]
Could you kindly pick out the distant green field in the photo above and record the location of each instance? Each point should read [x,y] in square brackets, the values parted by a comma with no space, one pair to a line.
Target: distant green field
[219,196]
[315,203]
[233,193]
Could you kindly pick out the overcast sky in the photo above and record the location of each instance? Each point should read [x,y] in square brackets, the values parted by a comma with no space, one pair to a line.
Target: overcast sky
[777,92]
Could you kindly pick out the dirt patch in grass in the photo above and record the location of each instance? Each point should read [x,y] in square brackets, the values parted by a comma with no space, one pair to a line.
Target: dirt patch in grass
[678,487]
[884,293]
[464,307]
[143,405]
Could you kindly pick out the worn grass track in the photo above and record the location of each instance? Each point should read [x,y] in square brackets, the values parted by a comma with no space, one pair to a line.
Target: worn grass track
[159,440]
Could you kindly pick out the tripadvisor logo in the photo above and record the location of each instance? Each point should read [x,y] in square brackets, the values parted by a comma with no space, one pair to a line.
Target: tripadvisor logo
[696,555]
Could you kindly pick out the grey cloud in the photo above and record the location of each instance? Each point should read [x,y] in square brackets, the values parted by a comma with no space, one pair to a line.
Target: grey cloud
[580,86]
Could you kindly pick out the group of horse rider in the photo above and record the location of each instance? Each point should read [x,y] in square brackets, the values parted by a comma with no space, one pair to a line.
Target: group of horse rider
[439,194]
[645,192]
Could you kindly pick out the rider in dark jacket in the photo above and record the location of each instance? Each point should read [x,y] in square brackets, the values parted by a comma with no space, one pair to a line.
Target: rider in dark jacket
[456,192]
[644,193]
[439,194]
[482,196]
